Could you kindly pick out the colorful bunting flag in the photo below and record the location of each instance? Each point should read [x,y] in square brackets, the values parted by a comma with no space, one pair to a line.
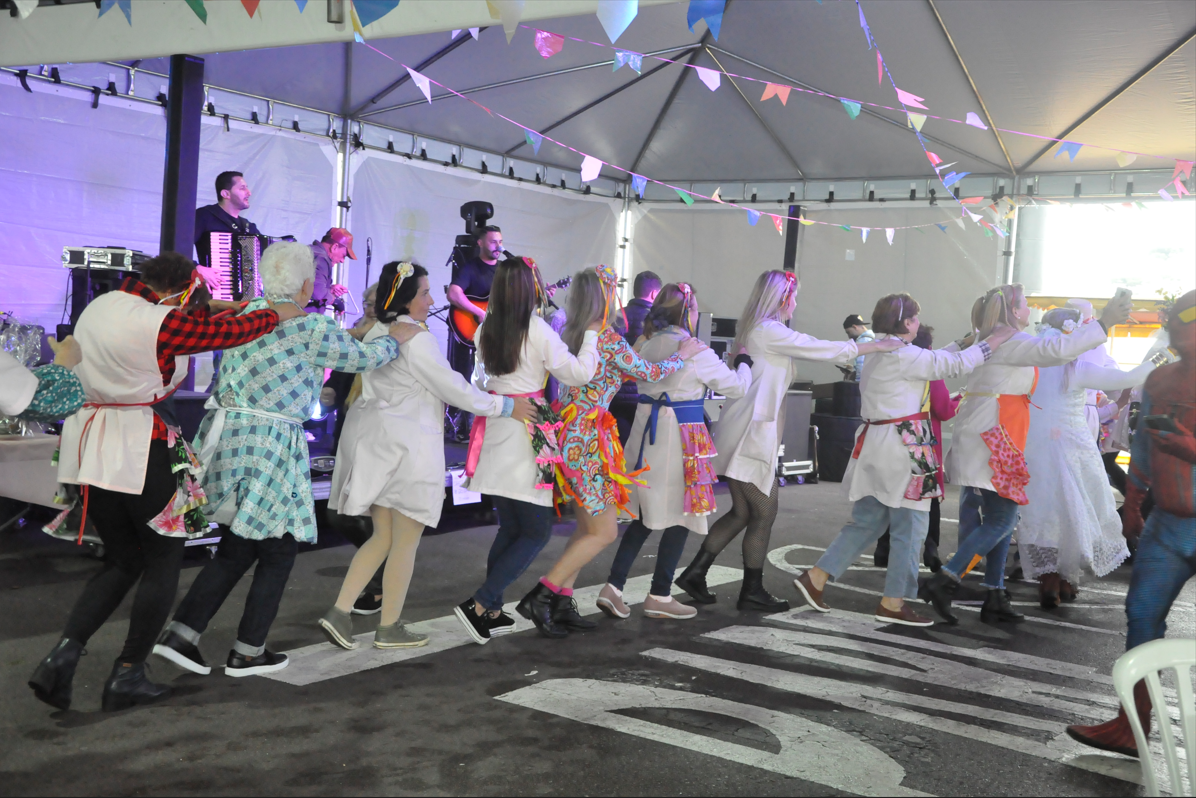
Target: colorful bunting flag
[25,7]
[971,200]
[1180,188]
[711,77]
[988,233]
[200,11]
[251,6]
[1072,148]
[302,5]
[910,100]
[422,81]
[845,227]
[776,221]
[999,231]
[889,231]
[934,159]
[942,227]
[851,107]
[509,11]
[806,222]
[710,11]
[776,90]
[549,44]
[974,121]
[126,6]
[1182,166]
[688,200]
[915,120]
[715,196]
[880,68]
[975,217]
[616,15]
[1124,159]
[638,184]
[590,167]
[358,32]
[368,11]
[534,139]
[753,216]
[864,25]
[634,60]
[960,223]
[864,234]
[953,178]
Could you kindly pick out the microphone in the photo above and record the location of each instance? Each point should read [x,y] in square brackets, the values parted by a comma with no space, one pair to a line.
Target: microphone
[506,253]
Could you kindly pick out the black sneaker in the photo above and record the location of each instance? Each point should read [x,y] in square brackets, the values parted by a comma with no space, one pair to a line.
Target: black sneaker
[175,648]
[478,626]
[267,662]
[501,624]
[366,604]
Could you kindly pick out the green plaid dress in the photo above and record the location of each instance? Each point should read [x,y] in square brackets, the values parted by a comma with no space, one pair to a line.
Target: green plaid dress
[261,463]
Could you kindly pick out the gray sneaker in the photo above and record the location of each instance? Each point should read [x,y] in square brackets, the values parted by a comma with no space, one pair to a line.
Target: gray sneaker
[338,628]
[397,635]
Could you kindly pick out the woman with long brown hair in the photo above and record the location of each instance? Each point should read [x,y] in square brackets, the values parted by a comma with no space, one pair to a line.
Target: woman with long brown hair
[511,460]
[592,471]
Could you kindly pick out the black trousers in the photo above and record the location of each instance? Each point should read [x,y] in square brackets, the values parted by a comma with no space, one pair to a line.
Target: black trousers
[1117,476]
[133,551]
[275,557]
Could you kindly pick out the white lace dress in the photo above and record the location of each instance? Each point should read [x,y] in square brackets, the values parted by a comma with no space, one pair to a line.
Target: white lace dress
[1070,526]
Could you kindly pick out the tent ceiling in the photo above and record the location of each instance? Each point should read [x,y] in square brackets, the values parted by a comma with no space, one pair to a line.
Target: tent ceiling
[1039,67]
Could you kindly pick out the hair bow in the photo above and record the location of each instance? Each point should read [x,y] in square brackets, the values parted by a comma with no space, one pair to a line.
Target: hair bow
[405,270]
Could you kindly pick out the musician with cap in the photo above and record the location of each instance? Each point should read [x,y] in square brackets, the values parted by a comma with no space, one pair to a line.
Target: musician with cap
[232,197]
[330,251]
[857,330]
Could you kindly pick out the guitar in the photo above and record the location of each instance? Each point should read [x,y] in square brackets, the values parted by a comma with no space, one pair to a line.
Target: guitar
[464,324]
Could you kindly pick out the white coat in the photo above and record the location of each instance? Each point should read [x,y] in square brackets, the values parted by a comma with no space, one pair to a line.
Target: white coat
[746,434]
[507,464]
[660,504]
[118,336]
[391,451]
[894,385]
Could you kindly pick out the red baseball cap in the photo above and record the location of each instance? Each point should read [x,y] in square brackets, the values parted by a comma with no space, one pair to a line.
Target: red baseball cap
[339,235]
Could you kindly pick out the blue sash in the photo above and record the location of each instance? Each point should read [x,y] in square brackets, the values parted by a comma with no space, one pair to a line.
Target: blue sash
[692,411]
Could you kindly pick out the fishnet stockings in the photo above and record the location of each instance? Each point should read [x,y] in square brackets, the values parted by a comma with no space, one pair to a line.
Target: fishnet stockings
[752,510]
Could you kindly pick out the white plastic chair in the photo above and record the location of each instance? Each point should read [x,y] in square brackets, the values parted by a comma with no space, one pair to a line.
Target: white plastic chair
[1145,662]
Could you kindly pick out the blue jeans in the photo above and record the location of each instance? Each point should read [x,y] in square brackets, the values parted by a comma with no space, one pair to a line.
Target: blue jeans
[668,554]
[1165,560]
[524,529]
[869,520]
[986,523]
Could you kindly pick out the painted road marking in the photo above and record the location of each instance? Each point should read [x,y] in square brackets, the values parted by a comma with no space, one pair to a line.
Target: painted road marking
[810,751]
[323,661]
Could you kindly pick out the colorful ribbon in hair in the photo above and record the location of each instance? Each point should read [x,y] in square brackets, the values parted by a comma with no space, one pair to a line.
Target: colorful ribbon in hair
[404,271]
[610,282]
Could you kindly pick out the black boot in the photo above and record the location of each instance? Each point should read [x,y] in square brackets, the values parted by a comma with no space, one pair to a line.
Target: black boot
[565,614]
[51,682]
[128,686]
[753,596]
[536,606]
[938,591]
[880,556]
[998,607]
[930,556]
[693,578]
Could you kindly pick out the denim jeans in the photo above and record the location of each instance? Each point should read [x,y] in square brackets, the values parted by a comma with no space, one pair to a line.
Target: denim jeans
[986,523]
[668,554]
[869,519]
[1164,562]
[274,556]
[524,529]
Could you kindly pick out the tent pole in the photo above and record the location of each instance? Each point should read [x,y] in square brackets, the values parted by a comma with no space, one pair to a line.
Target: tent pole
[789,263]
[180,178]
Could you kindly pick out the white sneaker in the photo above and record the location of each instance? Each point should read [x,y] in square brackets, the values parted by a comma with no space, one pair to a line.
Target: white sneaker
[610,601]
[655,607]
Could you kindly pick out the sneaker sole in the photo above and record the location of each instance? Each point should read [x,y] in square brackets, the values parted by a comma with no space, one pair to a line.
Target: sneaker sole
[237,673]
[473,633]
[506,630]
[356,611]
[335,638]
[901,622]
[170,655]
[418,644]
[608,608]
[809,599]
[659,614]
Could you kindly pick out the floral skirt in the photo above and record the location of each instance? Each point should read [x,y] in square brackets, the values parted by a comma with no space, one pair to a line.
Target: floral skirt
[592,471]
[697,451]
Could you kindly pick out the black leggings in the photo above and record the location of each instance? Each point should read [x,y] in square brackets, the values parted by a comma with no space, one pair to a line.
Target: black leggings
[750,510]
[133,551]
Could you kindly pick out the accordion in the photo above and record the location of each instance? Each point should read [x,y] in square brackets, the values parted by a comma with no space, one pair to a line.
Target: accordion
[235,258]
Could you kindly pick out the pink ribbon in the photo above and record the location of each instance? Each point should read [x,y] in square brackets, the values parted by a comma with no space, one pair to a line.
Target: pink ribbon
[477,433]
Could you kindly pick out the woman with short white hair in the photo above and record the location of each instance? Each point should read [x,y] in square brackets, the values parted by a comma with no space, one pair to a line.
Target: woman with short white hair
[254,457]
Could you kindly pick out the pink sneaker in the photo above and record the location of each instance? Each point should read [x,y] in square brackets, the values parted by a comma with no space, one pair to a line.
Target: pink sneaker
[658,608]
[610,602]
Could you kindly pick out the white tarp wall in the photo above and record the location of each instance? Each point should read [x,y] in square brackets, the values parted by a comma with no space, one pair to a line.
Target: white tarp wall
[721,254]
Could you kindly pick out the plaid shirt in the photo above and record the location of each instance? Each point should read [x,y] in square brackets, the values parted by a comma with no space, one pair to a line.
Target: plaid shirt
[192,333]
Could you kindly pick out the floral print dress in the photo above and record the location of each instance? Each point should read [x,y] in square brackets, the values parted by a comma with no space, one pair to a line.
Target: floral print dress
[592,471]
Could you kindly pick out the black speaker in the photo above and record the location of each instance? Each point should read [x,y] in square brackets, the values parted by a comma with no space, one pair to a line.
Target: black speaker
[846,399]
[836,439]
[87,284]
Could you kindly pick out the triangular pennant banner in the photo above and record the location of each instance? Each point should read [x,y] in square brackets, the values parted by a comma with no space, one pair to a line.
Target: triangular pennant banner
[880,68]
[934,159]
[302,5]
[358,33]
[456,33]
[616,15]
[634,60]
[200,11]
[534,139]
[126,6]
[776,222]
[715,196]
[974,216]
[988,233]
[638,184]
[1124,159]
[710,11]
[25,7]
[971,200]
[688,200]
[1182,166]
[1163,193]
[474,33]
[942,227]
[549,44]
[776,90]
[940,167]
[509,11]
[953,178]
[753,216]
[889,231]
[911,100]
[960,223]
[712,78]
[1072,148]
[369,11]
[422,81]
[864,25]
[590,167]
[864,234]
[1180,188]
[845,227]
[999,232]
[251,6]
[915,120]
[851,107]
[806,222]
[974,121]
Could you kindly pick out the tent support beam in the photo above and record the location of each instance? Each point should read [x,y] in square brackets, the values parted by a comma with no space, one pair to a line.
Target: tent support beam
[668,103]
[1120,90]
[864,110]
[975,89]
[420,67]
[514,82]
[595,103]
[767,128]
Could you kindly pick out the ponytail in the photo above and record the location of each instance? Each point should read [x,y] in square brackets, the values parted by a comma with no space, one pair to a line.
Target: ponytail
[996,307]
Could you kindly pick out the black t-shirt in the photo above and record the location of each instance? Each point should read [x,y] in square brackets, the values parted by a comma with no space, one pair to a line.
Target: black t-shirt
[475,278]
[214,219]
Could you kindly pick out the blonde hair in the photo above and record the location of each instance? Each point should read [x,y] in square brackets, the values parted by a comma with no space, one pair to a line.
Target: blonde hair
[771,292]
[587,304]
[996,307]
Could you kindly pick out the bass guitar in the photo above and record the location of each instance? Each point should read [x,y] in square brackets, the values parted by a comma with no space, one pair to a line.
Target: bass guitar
[464,324]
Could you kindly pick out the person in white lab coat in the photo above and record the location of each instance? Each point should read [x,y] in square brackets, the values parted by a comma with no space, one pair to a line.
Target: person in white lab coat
[893,473]
[669,438]
[748,430]
[390,462]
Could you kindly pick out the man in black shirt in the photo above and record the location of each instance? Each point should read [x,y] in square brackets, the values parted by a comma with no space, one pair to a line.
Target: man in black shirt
[473,280]
[646,286]
[232,195]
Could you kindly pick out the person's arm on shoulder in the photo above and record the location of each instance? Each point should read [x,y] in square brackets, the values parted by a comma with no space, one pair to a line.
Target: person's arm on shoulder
[338,350]
[715,375]
[780,340]
[185,334]
[559,361]
[1030,350]
[433,371]
[1100,378]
